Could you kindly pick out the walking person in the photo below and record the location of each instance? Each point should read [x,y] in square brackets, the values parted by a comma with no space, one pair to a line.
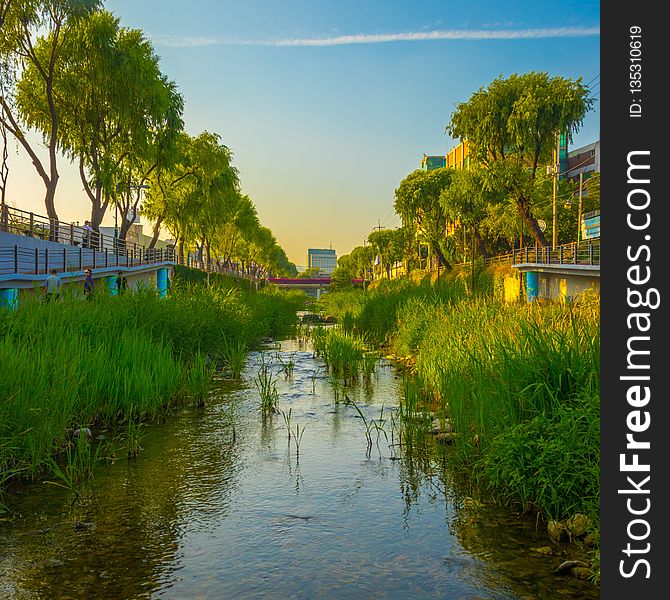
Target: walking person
[88,232]
[121,283]
[89,284]
[52,285]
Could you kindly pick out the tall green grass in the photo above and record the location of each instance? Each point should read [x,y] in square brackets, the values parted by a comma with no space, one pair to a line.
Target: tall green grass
[519,383]
[97,363]
[346,355]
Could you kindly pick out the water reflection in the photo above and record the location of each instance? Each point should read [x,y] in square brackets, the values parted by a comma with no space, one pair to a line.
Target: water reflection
[204,513]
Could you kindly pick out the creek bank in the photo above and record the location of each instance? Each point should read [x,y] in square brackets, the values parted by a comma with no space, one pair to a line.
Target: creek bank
[520,385]
[72,369]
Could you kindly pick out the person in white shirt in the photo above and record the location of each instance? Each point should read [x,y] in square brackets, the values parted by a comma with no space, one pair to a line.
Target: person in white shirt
[53,284]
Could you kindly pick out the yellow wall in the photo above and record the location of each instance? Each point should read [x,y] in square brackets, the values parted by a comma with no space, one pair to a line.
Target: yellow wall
[457,155]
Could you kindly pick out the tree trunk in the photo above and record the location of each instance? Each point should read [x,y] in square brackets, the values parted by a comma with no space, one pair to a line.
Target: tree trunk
[156,233]
[527,217]
[125,226]
[97,214]
[440,256]
[11,124]
[481,245]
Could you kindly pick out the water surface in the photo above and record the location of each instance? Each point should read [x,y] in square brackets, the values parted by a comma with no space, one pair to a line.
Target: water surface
[204,513]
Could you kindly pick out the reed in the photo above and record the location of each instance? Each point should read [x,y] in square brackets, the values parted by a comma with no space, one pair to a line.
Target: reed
[199,378]
[346,355]
[235,357]
[519,383]
[297,438]
[133,436]
[287,364]
[98,362]
[266,384]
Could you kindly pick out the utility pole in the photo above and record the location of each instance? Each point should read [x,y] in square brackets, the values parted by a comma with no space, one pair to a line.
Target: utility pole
[554,222]
[579,212]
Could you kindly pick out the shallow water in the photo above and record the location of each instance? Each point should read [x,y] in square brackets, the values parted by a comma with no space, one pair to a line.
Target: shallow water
[203,515]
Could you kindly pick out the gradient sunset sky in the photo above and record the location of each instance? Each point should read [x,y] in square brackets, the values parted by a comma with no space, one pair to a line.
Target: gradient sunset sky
[327,106]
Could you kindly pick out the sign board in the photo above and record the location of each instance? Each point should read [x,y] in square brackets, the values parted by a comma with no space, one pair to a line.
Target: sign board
[590,226]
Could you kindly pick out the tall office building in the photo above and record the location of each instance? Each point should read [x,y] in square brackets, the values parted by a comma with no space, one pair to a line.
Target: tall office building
[324,259]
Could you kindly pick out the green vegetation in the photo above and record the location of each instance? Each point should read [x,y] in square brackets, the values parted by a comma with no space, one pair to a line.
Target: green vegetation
[117,360]
[345,355]
[520,385]
[266,384]
[495,202]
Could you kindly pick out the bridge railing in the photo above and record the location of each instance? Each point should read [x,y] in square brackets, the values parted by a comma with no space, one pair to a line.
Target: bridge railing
[75,248]
[19,260]
[586,252]
[21,222]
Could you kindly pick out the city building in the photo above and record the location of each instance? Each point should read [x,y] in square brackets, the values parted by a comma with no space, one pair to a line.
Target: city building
[458,157]
[136,235]
[585,159]
[428,163]
[323,259]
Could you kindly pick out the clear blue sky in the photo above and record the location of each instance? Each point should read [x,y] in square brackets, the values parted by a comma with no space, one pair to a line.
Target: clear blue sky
[323,115]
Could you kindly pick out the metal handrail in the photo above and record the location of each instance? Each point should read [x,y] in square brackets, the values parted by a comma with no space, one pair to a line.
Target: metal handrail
[21,222]
[36,261]
[81,248]
[586,252]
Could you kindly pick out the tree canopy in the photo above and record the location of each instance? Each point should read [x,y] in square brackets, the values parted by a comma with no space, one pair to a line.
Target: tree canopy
[417,201]
[95,92]
[512,128]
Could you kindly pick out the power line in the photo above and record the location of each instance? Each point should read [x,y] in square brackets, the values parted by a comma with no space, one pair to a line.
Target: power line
[391,213]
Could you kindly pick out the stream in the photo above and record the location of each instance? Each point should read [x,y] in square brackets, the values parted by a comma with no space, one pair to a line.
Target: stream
[208,512]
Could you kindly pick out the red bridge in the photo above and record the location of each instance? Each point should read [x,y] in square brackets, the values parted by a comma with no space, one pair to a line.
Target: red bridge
[314,286]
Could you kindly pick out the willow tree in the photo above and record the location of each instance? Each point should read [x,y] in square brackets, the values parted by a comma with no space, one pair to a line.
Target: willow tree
[512,128]
[241,225]
[466,202]
[20,50]
[168,184]
[116,108]
[388,246]
[195,195]
[417,201]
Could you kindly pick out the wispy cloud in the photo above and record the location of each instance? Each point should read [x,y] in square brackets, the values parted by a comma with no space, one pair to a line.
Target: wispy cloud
[184,41]
[380,38]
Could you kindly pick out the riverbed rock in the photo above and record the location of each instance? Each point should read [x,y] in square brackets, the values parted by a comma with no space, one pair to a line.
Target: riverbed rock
[581,572]
[544,550]
[441,426]
[557,530]
[590,539]
[577,525]
[567,566]
[445,438]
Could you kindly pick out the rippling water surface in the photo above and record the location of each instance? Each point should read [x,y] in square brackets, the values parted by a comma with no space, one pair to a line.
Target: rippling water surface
[204,513]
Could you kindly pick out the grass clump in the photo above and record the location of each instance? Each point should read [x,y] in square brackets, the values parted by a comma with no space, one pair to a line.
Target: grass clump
[346,355]
[519,384]
[123,359]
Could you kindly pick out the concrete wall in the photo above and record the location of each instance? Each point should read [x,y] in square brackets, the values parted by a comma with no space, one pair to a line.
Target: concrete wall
[137,277]
[556,286]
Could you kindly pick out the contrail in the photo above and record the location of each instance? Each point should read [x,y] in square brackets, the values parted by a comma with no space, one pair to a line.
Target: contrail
[178,41]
